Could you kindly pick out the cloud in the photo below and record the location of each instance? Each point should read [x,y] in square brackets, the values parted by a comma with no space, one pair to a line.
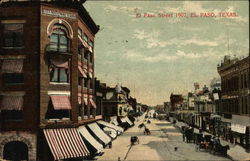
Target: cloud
[164,56]
[152,40]
[200,42]
[123,9]
[138,56]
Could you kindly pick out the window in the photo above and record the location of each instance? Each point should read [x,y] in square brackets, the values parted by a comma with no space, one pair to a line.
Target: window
[13,35]
[86,82]
[91,84]
[12,115]
[59,75]
[80,110]
[85,37]
[59,108]
[13,78]
[90,57]
[86,54]
[59,40]
[80,81]
[91,44]
[12,108]
[80,52]
[79,31]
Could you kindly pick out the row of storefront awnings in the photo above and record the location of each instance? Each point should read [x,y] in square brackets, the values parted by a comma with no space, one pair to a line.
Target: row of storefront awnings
[68,143]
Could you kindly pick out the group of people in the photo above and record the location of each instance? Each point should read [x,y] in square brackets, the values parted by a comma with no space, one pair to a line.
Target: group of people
[187,133]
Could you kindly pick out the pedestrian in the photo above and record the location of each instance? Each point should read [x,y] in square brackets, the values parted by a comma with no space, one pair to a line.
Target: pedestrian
[183,133]
[119,159]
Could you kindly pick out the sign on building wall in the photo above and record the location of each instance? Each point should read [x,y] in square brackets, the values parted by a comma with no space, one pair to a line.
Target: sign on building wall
[238,128]
[58,14]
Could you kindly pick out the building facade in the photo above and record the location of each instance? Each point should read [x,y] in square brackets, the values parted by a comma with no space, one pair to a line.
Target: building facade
[235,93]
[47,75]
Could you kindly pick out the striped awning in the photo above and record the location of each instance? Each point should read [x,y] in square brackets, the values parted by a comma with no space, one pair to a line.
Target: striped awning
[85,133]
[107,124]
[61,102]
[65,143]
[82,71]
[12,103]
[99,133]
[12,66]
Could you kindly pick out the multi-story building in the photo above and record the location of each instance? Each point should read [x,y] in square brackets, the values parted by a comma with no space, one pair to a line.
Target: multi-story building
[176,101]
[116,102]
[47,78]
[235,106]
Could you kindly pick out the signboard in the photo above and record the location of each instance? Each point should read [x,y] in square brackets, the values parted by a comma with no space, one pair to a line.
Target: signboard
[238,128]
[216,96]
[53,13]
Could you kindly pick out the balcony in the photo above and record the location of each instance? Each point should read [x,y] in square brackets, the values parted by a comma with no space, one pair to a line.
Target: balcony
[57,50]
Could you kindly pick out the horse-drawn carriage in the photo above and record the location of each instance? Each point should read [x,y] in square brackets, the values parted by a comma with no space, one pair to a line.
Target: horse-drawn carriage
[134,139]
[211,145]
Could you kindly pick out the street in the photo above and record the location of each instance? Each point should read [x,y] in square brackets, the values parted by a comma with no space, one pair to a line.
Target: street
[160,145]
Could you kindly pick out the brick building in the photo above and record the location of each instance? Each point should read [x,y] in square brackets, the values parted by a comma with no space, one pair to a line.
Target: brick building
[47,78]
[235,91]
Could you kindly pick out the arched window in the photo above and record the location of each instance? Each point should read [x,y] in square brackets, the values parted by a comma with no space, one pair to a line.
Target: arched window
[59,40]
[15,150]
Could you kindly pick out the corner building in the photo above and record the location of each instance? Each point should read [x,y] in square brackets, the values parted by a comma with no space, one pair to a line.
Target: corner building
[46,79]
[235,101]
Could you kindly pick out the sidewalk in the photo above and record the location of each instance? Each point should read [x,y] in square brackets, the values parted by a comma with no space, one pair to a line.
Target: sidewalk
[235,152]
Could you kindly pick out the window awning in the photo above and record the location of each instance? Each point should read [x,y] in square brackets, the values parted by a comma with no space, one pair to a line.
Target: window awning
[85,99]
[92,102]
[117,128]
[128,121]
[60,64]
[82,71]
[12,66]
[83,42]
[65,143]
[12,103]
[61,102]
[99,133]
[85,133]
[111,132]
[90,75]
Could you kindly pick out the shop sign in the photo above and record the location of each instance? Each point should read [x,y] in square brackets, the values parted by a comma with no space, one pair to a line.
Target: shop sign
[58,14]
[238,128]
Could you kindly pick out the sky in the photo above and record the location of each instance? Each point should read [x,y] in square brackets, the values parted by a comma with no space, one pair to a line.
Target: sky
[157,56]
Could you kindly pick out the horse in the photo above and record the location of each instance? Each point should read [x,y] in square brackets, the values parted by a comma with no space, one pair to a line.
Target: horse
[147,131]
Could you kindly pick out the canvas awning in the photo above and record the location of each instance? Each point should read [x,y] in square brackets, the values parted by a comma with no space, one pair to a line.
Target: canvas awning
[99,133]
[92,102]
[128,121]
[12,103]
[117,128]
[85,133]
[60,63]
[115,122]
[83,42]
[61,102]
[83,73]
[111,132]
[12,66]
[65,143]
